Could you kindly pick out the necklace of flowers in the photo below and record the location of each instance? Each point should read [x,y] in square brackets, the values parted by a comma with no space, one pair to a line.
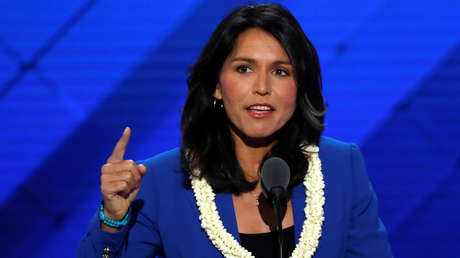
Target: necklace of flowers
[314,213]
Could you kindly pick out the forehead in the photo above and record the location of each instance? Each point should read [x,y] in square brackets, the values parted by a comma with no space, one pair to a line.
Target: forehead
[257,43]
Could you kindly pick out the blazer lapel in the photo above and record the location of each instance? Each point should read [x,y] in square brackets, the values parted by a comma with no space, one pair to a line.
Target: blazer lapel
[298,206]
[224,205]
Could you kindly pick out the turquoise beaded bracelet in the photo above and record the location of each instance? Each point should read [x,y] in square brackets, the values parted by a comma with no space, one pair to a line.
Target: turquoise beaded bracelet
[111,222]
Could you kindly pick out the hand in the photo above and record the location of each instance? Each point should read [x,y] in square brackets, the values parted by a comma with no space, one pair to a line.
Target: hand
[120,180]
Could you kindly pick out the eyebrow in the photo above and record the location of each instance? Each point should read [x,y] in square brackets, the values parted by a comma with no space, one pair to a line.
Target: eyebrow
[250,60]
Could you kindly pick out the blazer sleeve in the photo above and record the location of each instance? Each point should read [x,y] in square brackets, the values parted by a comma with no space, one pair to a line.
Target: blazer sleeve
[367,236]
[138,239]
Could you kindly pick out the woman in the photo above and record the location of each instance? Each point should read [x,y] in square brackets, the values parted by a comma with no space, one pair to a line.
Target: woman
[254,93]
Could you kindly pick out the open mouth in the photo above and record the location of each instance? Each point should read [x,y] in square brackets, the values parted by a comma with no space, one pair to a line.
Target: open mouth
[261,107]
[260,110]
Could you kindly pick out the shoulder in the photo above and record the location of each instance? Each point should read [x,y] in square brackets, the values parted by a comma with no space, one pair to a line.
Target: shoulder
[163,171]
[346,155]
[170,158]
[342,165]
[344,169]
[334,146]
[337,153]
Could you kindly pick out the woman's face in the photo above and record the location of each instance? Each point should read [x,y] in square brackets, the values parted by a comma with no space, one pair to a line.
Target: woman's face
[257,85]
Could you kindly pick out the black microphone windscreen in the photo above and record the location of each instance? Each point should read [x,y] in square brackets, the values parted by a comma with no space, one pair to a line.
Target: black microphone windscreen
[275,173]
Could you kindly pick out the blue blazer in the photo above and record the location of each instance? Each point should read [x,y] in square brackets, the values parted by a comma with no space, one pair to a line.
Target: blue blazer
[164,217]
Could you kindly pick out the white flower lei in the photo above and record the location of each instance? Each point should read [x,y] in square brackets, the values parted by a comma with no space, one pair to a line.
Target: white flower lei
[314,213]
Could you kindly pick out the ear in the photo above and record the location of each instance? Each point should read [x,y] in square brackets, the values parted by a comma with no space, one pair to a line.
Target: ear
[218,92]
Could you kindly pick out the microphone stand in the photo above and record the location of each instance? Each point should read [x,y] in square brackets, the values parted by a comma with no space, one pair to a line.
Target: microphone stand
[277,204]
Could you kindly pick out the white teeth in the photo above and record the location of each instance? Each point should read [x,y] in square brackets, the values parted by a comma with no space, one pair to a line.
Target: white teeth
[261,108]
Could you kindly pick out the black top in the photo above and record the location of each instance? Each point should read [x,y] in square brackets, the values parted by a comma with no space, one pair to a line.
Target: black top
[266,244]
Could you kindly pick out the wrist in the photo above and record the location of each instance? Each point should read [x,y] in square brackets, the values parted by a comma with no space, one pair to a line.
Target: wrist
[114,216]
[113,221]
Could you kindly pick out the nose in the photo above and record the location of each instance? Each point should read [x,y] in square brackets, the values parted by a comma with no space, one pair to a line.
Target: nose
[262,85]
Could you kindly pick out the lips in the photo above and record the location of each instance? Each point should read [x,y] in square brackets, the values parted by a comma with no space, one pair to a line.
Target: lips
[260,110]
[261,107]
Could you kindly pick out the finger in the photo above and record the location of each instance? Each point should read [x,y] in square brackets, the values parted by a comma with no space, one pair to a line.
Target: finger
[125,165]
[120,148]
[123,171]
[114,188]
[122,184]
[129,177]
[117,188]
[142,169]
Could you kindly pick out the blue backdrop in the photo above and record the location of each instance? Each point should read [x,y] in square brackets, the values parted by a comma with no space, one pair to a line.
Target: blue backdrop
[74,73]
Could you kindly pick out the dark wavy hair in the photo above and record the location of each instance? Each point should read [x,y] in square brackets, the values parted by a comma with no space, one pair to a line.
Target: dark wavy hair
[207,143]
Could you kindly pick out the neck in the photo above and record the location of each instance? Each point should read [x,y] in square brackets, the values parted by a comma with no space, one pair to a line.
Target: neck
[250,152]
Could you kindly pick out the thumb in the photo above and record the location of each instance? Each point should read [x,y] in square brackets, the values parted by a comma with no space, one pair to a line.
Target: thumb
[142,169]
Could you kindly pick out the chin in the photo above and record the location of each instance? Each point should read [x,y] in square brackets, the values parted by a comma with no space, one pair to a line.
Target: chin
[259,134]
[254,134]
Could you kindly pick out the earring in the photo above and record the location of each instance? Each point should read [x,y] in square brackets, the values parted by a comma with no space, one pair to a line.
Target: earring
[218,104]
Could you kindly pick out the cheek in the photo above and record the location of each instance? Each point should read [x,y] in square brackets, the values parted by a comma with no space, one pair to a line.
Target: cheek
[290,108]
[231,89]
[292,97]
[289,98]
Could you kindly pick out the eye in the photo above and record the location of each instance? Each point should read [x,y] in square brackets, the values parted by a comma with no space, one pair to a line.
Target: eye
[281,72]
[243,69]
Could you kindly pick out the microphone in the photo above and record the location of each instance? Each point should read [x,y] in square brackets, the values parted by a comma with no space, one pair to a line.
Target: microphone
[274,180]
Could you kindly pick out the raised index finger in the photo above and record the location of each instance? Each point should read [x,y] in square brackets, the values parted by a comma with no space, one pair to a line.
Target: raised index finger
[120,148]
